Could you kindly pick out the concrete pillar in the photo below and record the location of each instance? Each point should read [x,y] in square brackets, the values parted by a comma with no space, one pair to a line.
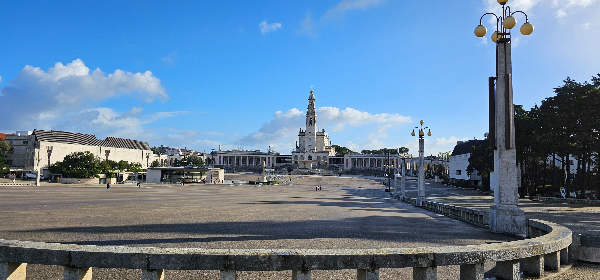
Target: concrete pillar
[77,273]
[471,271]
[533,266]
[505,216]
[564,255]
[395,184]
[153,274]
[228,275]
[425,273]
[421,195]
[367,274]
[13,271]
[508,270]
[403,181]
[300,275]
[552,261]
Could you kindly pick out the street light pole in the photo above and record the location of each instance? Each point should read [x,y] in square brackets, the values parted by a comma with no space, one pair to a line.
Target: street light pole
[421,195]
[505,215]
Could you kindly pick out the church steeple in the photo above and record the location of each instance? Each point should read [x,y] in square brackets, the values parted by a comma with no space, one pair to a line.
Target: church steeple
[311,114]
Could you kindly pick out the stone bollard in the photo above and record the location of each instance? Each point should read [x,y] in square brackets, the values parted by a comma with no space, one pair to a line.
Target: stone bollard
[589,248]
[13,271]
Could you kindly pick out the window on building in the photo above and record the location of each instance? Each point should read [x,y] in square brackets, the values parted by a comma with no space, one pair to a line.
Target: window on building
[458,172]
[25,142]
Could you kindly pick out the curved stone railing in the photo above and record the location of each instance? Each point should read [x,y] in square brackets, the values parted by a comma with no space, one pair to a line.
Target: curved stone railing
[567,200]
[547,248]
[476,217]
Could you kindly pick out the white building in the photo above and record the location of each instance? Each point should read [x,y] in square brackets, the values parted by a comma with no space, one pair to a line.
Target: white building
[313,146]
[459,161]
[38,149]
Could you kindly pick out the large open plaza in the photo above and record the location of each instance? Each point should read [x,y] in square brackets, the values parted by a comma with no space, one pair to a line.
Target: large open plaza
[348,212]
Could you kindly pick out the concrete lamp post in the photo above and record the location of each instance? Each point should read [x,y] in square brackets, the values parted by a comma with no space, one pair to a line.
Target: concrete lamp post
[421,196]
[505,215]
[403,155]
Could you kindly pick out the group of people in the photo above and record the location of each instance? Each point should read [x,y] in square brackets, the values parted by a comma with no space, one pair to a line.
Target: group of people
[318,188]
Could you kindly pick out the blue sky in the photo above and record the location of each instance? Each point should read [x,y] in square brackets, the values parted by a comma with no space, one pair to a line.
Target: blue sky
[238,73]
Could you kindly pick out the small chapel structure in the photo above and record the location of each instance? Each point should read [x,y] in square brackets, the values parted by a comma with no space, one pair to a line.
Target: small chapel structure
[313,148]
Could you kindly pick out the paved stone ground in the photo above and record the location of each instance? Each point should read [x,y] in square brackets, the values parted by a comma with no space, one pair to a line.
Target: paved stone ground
[348,213]
[577,217]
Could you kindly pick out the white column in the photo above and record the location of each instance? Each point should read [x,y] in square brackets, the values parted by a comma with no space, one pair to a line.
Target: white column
[505,215]
[421,195]
[403,180]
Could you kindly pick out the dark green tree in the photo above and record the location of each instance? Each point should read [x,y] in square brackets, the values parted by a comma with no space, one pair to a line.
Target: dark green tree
[5,149]
[341,151]
[482,161]
[78,165]
[122,165]
[195,161]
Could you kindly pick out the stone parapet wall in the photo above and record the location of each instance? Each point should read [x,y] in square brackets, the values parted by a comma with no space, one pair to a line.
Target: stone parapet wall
[547,247]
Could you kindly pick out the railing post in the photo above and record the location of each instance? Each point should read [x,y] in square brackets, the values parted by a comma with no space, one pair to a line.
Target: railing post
[508,270]
[153,274]
[300,275]
[77,273]
[425,273]
[228,275]
[13,271]
[471,271]
[552,261]
[564,255]
[533,266]
[367,274]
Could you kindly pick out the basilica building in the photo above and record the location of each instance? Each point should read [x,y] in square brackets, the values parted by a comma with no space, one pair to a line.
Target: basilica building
[313,148]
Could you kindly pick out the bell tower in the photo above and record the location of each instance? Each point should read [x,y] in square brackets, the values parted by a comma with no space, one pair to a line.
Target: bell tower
[311,123]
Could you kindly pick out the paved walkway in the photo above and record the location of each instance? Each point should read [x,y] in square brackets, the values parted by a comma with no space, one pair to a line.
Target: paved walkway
[579,218]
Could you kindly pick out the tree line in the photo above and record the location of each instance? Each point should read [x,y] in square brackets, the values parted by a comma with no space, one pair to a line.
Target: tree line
[340,151]
[563,131]
[87,165]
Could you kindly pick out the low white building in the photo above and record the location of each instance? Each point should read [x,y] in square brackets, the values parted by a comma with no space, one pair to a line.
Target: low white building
[459,161]
[38,149]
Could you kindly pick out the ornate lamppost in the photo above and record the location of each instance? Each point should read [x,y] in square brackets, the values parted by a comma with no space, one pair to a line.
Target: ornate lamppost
[404,156]
[505,215]
[421,196]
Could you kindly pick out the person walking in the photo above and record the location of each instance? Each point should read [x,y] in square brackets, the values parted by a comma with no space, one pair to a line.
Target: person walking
[107,186]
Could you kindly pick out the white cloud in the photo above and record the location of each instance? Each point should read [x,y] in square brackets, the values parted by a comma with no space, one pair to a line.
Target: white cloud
[281,132]
[170,59]
[348,5]
[268,27]
[350,145]
[349,116]
[0,79]
[586,25]
[526,5]
[309,27]
[433,146]
[64,94]
[560,13]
